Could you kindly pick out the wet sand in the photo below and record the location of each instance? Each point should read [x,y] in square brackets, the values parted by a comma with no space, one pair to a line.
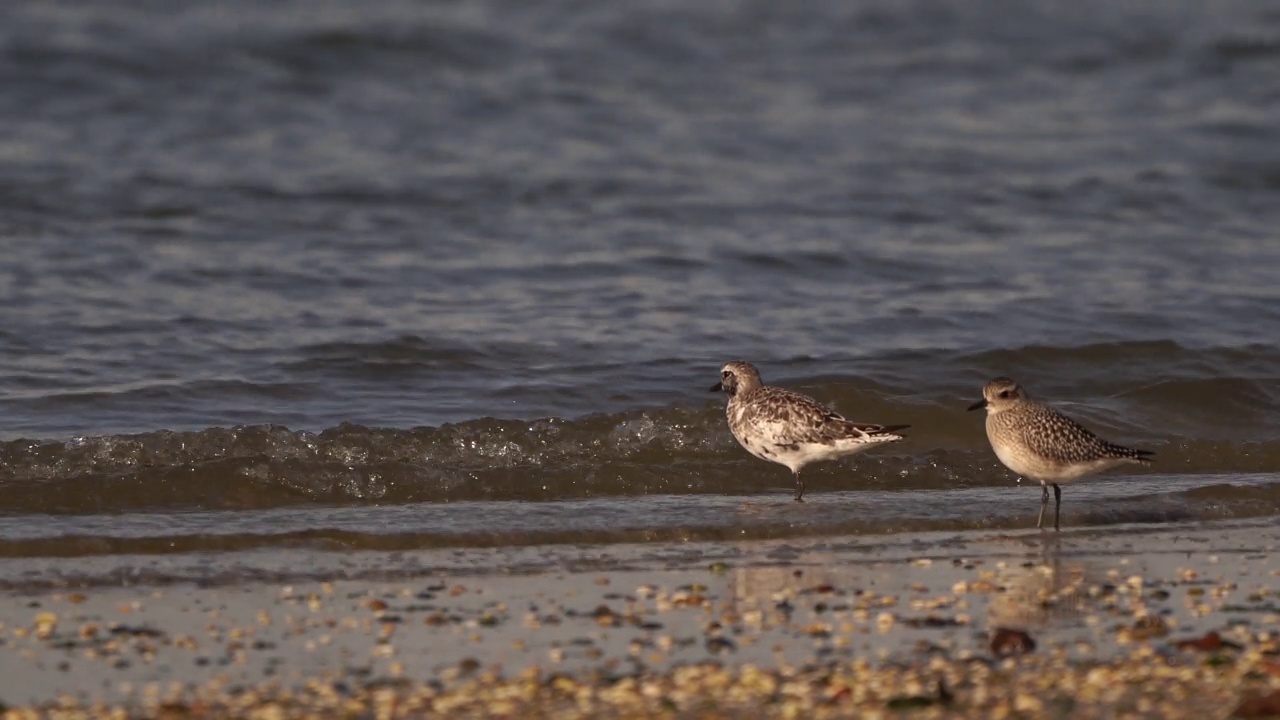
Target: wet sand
[1135,621]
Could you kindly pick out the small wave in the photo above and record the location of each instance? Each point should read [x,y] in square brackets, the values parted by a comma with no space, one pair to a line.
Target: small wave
[1092,354]
[804,261]
[640,452]
[403,354]
[319,49]
[1186,392]
[1246,47]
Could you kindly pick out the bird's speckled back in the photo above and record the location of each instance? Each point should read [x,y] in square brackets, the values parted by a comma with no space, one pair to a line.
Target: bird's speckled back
[1050,435]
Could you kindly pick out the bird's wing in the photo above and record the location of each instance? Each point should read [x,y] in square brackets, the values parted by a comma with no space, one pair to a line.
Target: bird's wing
[1064,440]
[789,418]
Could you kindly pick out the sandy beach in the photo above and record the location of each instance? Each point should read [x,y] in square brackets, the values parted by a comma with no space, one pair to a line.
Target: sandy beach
[1130,621]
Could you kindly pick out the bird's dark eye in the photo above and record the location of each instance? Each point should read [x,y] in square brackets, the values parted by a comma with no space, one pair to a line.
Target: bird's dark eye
[726,374]
[1004,394]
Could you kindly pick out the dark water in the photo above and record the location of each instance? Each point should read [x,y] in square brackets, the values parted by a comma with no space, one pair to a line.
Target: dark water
[409,274]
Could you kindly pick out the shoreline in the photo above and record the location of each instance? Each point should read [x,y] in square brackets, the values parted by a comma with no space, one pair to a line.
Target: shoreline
[816,627]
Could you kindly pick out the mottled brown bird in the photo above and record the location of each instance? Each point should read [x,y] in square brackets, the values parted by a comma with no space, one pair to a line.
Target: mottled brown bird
[1040,443]
[789,428]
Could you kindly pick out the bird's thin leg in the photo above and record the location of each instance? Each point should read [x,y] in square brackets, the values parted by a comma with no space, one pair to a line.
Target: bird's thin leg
[800,486]
[1057,504]
[1044,503]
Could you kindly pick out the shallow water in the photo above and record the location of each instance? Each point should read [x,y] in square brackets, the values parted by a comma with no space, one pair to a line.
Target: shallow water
[459,274]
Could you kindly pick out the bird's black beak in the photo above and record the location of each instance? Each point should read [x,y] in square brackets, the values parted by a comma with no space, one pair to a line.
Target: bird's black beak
[980,404]
[717,387]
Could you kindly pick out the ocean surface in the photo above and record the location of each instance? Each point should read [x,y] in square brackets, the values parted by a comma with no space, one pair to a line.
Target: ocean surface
[395,275]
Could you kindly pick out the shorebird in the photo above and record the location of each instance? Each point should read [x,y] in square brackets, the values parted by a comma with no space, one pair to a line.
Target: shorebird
[1040,443]
[789,428]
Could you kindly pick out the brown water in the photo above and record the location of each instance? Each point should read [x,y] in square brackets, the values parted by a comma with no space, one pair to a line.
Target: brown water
[404,276]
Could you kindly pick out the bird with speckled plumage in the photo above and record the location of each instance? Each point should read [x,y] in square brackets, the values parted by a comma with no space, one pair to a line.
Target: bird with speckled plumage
[1040,443]
[788,428]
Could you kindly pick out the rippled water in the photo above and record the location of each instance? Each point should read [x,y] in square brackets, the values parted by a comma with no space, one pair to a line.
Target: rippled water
[402,274]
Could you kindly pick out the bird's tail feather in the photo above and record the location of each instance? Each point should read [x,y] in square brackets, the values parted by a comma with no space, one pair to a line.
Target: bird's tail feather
[1145,457]
[878,432]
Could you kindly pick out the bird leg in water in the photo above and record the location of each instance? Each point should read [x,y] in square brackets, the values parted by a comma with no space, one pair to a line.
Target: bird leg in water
[1057,504]
[1044,503]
